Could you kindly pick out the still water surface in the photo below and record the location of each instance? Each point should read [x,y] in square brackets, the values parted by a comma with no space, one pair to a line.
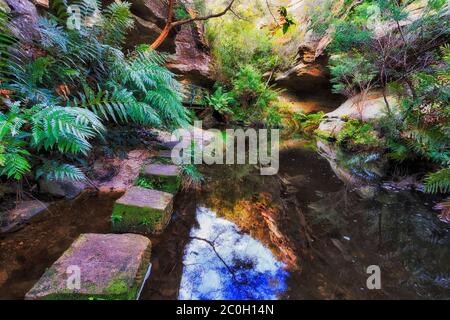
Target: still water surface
[303,234]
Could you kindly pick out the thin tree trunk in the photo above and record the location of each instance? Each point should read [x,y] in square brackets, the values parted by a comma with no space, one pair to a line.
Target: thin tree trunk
[165,33]
[386,100]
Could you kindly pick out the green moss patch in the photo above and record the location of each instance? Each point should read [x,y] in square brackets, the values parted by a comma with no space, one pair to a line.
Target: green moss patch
[142,210]
[166,184]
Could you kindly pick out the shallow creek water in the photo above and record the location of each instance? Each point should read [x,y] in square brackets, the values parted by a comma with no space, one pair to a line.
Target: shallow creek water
[247,236]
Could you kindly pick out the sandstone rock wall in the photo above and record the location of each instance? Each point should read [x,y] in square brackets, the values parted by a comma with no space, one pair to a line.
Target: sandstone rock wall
[190,53]
[24,17]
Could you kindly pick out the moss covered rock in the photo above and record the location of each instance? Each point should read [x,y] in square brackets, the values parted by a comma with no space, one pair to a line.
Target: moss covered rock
[164,177]
[142,210]
[107,266]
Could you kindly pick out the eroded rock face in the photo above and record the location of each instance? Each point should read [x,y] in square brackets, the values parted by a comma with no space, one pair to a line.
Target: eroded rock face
[191,57]
[306,77]
[24,19]
[150,10]
[118,174]
[111,266]
[145,32]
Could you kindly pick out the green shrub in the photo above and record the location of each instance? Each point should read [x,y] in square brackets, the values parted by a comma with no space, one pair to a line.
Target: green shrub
[405,55]
[79,83]
[308,122]
[237,43]
[252,96]
[356,134]
[220,101]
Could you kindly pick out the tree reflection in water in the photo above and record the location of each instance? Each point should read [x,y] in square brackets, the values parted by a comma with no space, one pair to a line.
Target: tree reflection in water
[222,262]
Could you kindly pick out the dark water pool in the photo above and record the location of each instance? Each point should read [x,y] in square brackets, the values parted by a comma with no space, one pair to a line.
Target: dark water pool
[303,234]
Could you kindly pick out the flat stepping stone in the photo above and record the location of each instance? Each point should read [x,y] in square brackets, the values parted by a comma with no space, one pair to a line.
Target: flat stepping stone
[164,177]
[97,266]
[162,170]
[142,210]
[165,157]
[164,154]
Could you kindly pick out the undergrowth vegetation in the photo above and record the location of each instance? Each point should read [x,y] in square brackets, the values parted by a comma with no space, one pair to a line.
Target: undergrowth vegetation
[77,82]
[376,44]
[244,62]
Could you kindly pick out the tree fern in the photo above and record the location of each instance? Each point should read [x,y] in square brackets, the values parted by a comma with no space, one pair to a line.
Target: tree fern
[80,81]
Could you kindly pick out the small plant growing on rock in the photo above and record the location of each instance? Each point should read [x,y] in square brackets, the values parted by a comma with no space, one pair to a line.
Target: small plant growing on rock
[116,218]
[358,135]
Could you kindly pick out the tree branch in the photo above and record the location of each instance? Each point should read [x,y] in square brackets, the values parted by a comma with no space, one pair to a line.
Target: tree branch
[171,24]
[214,15]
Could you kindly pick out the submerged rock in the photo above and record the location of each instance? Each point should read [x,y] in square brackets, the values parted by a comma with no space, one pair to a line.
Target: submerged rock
[142,210]
[21,214]
[359,172]
[67,189]
[110,266]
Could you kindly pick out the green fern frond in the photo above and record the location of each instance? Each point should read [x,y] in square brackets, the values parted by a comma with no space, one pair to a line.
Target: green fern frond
[52,34]
[57,171]
[153,86]
[16,165]
[117,20]
[59,9]
[438,182]
[104,104]
[6,41]
[66,129]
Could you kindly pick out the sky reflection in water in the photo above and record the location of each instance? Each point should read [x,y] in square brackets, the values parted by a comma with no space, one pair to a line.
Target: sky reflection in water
[222,262]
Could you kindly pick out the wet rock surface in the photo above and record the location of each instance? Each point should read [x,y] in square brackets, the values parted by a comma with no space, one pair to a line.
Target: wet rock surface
[65,189]
[162,170]
[118,174]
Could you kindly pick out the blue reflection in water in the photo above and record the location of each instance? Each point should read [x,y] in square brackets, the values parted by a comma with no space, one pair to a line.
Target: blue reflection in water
[222,262]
